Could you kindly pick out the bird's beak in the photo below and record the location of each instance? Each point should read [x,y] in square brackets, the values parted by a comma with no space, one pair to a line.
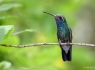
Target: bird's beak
[50,14]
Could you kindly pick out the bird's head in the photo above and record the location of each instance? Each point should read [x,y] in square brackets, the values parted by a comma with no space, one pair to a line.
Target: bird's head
[58,17]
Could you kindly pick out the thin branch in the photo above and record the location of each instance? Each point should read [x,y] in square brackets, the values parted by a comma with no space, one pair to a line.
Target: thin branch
[42,44]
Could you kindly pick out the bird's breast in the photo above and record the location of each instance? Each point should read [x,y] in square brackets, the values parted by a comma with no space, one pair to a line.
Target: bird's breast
[63,33]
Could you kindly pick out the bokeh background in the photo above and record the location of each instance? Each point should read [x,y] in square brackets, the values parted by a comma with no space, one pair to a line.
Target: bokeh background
[28,14]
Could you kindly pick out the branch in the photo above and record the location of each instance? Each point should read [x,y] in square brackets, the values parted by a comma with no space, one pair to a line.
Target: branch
[42,44]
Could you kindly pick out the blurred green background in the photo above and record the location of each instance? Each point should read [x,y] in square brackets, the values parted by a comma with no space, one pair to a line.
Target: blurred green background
[28,15]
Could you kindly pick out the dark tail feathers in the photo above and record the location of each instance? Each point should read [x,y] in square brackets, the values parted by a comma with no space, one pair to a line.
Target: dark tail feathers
[67,57]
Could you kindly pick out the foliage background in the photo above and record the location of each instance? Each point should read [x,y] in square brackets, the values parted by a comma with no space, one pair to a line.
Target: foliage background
[28,15]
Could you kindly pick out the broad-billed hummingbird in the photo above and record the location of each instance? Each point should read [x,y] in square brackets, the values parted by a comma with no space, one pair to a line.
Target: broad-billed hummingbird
[64,35]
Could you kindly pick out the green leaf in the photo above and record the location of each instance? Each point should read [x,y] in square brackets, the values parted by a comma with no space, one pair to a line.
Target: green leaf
[5,65]
[27,30]
[5,32]
[6,7]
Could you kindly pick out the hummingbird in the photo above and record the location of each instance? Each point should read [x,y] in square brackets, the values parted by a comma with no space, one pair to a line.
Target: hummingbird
[64,35]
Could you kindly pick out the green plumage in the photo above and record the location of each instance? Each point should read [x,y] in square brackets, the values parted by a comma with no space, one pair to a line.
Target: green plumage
[64,35]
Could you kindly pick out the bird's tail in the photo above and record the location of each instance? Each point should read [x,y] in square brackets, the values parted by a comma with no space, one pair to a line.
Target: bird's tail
[67,56]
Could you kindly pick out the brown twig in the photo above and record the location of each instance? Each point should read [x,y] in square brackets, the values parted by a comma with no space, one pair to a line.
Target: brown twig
[42,44]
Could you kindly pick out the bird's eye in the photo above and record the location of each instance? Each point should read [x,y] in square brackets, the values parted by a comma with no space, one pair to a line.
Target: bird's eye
[60,18]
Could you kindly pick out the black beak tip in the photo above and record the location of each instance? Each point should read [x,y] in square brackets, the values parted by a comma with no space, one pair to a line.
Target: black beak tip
[45,12]
[49,13]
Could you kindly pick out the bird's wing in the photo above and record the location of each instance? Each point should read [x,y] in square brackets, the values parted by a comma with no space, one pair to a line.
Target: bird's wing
[70,37]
